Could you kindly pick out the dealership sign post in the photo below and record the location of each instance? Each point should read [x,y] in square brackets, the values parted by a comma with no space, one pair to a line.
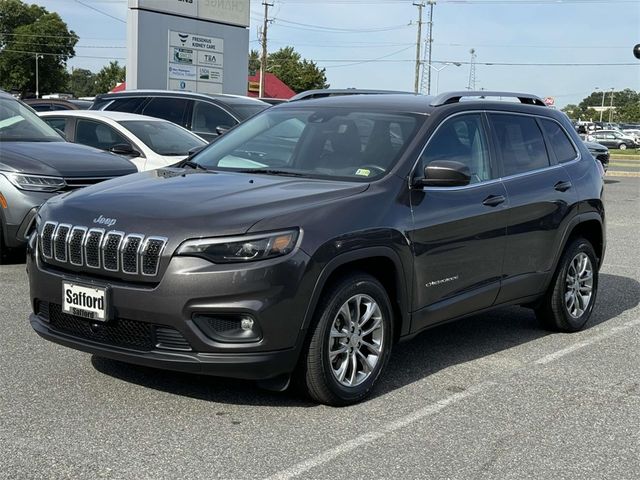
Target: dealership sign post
[180,45]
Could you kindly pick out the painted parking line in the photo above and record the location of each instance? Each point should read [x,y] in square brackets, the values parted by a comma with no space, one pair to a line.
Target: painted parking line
[432,409]
[580,345]
[369,437]
[614,173]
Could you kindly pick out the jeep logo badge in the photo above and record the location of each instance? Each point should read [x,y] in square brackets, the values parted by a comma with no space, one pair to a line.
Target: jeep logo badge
[109,222]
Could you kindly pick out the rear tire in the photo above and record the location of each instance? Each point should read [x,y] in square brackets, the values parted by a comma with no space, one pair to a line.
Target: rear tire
[623,146]
[567,305]
[349,342]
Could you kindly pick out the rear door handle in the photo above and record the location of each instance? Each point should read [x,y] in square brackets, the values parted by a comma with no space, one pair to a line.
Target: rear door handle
[562,186]
[494,200]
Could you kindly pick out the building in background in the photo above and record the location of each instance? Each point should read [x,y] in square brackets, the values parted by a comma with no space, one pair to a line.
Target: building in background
[197,46]
[273,87]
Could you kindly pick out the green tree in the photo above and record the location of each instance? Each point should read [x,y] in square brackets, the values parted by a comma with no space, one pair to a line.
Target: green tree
[626,103]
[254,62]
[109,77]
[289,66]
[27,31]
[82,83]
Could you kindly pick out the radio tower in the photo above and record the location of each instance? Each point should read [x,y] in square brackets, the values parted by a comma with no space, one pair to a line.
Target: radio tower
[472,70]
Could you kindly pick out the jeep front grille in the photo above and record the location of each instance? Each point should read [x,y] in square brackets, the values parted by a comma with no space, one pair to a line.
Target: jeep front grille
[96,248]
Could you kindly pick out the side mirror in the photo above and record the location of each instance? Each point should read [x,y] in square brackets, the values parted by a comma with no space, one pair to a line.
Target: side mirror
[195,150]
[222,129]
[445,173]
[124,149]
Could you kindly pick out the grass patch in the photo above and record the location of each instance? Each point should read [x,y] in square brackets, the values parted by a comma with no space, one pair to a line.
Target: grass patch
[629,152]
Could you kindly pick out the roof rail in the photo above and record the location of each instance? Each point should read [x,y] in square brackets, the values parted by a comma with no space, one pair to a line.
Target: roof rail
[454,97]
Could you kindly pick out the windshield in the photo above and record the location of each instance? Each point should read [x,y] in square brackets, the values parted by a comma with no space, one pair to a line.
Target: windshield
[164,138]
[19,124]
[314,142]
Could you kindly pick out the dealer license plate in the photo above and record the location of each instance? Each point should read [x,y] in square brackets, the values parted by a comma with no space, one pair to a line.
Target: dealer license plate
[84,301]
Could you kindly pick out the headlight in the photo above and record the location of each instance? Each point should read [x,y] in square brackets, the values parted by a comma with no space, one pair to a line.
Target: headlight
[36,183]
[248,248]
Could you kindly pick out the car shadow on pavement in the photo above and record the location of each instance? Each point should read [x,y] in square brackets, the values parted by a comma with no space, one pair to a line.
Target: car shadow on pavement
[441,347]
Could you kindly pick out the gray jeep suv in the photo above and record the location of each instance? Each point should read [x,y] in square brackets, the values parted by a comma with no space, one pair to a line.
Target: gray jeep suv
[37,164]
[308,240]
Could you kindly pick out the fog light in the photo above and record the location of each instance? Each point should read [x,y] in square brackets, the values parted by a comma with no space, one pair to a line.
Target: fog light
[246,324]
[229,327]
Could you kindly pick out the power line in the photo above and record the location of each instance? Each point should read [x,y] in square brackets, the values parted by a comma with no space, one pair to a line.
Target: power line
[102,12]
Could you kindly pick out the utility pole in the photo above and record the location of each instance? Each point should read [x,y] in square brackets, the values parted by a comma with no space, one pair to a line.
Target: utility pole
[602,107]
[420,6]
[38,56]
[263,58]
[611,107]
[472,70]
[430,44]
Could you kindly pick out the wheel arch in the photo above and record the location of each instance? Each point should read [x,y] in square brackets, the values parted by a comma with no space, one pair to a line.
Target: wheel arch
[384,264]
[588,225]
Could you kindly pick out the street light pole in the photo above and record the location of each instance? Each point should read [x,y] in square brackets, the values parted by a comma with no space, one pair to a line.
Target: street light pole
[438,70]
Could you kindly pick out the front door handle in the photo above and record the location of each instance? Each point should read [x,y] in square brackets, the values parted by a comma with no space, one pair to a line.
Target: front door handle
[494,200]
[562,186]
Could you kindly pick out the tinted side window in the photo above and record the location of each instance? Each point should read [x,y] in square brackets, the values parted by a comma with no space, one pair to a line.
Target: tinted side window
[207,117]
[129,105]
[461,139]
[41,107]
[560,143]
[98,135]
[167,108]
[520,141]
[59,123]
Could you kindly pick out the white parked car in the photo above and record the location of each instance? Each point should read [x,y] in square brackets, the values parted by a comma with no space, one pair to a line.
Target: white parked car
[147,141]
[633,132]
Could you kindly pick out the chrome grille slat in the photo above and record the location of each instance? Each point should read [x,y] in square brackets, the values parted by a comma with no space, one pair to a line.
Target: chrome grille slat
[46,239]
[75,245]
[111,251]
[100,249]
[129,253]
[92,244]
[60,242]
[150,255]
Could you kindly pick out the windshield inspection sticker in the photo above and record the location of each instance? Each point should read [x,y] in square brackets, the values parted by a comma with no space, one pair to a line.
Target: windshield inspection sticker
[363,172]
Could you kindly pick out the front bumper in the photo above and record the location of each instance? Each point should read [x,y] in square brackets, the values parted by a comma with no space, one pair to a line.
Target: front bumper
[250,366]
[274,292]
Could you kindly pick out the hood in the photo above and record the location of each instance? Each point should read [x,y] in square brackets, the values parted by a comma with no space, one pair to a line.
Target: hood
[182,204]
[62,159]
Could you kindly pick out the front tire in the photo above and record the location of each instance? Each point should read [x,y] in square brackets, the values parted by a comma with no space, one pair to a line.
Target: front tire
[349,342]
[568,304]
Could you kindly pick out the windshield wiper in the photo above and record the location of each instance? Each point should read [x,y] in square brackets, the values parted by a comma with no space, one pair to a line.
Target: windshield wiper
[268,171]
[194,165]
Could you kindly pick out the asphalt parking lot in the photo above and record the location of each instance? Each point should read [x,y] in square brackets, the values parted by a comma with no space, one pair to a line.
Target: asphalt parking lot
[491,396]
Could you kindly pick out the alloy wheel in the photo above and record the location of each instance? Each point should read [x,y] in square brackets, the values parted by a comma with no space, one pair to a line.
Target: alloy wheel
[356,340]
[579,285]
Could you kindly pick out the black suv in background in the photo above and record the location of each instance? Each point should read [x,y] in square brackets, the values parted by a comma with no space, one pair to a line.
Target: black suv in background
[307,241]
[203,114]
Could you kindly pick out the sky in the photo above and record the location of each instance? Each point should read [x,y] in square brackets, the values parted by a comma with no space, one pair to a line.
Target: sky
[372,43]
